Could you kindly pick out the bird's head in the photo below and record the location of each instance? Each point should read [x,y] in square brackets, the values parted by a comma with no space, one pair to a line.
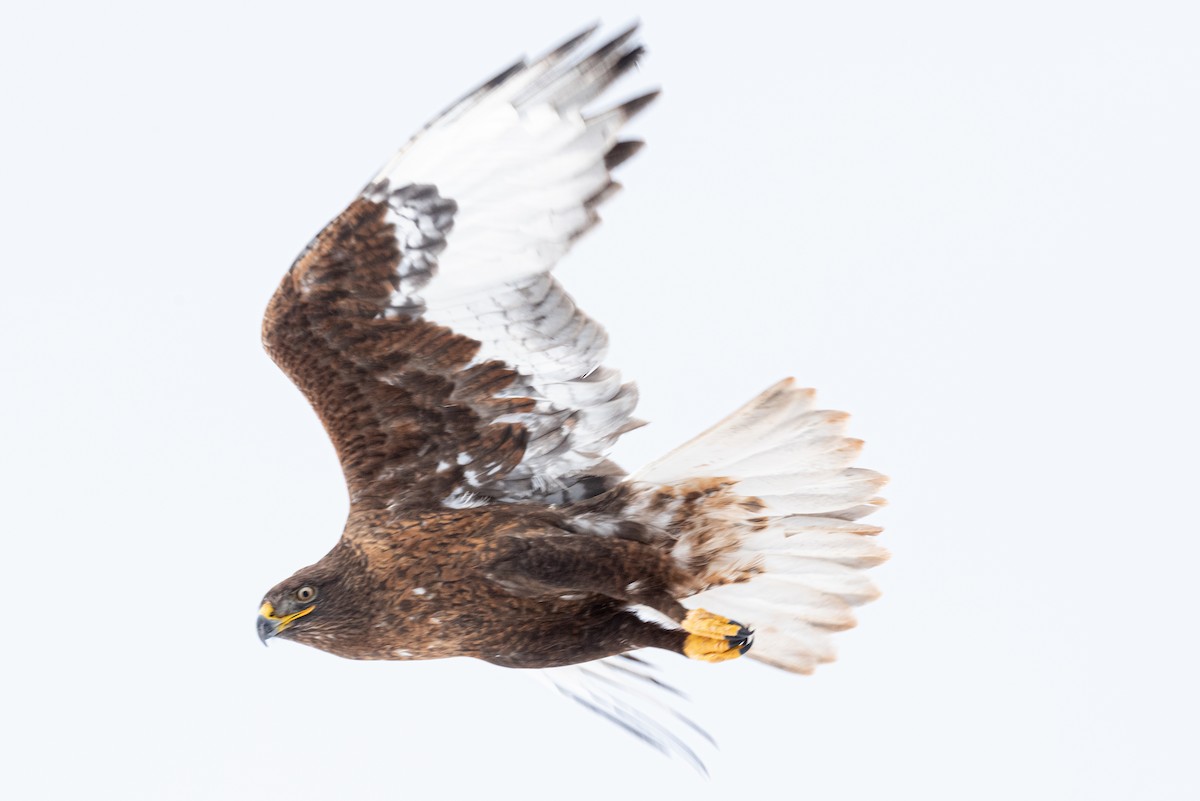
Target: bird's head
[284,608]
[309,606]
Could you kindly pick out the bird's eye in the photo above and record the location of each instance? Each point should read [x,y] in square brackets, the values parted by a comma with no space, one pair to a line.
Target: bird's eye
[305,594]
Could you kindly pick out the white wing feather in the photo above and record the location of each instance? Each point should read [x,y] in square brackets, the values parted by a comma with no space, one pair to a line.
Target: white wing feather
[523,166]
[486,200]
[627,691]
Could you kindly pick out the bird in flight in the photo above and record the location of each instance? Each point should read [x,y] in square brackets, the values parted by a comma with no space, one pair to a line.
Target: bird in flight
[472,413]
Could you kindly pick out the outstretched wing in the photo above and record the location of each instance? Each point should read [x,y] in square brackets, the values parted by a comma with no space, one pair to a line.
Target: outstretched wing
[628,691]
[422,324]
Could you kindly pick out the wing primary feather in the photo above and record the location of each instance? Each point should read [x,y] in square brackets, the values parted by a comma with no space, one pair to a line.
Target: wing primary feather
[588,77]
[622,152]
[620,721]
[642,672]
[655,735]
[597,81]
[602,53]
[674,713]
[610,189]
[500,78]
[567,47]
[629,60]
[468,100]
[481,204]
[628,110]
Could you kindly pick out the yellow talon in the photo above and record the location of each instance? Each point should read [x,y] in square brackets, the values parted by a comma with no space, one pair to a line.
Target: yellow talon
[712,638]
[709,649]
[706,624]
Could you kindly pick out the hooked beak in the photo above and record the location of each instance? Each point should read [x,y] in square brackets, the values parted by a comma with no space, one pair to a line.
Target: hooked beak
[269,625]
[267,628]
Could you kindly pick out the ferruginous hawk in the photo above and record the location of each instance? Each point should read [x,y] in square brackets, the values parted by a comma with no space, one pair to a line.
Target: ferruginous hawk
[472,413]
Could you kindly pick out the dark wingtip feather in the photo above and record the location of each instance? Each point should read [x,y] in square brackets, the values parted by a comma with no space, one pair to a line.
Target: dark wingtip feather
[610,189]
[612,44]
[622,152]
[629,60]
[502,76]
[569,45]
[630,108]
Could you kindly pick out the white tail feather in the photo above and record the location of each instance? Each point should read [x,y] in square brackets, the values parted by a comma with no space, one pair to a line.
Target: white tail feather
[793,565]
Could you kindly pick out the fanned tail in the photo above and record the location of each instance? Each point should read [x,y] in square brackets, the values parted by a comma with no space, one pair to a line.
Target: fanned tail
[765,508]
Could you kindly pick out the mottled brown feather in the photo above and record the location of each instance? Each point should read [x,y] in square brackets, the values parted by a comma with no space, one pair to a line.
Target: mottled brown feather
[396,395]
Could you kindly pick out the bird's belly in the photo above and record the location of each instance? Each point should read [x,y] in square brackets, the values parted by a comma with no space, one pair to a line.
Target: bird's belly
[478,619]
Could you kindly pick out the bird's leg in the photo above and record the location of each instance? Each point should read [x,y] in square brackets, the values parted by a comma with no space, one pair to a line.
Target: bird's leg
[599,632]
[624,570]
[712,638]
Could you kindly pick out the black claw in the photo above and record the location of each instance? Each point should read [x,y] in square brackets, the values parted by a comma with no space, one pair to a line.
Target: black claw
[742,640]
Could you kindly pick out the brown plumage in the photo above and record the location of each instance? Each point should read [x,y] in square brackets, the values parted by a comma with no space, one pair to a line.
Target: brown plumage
[471,412]
[397,396]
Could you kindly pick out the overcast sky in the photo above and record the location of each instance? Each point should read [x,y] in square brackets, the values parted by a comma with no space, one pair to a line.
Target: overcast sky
[973,228]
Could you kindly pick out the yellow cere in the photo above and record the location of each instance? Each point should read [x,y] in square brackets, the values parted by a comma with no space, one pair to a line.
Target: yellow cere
[268,611]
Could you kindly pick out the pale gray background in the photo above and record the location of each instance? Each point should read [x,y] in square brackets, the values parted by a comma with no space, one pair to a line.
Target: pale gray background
[973,226]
